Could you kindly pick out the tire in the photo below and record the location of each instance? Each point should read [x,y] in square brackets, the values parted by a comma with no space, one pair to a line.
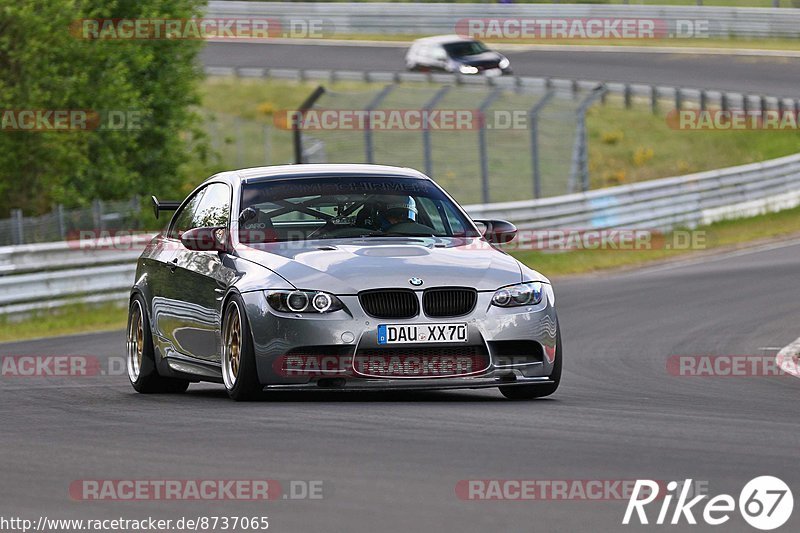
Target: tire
[529,392]
[140,355]
[239,371]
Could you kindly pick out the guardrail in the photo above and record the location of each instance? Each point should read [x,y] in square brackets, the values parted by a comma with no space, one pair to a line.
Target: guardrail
[436,18]
[97,272]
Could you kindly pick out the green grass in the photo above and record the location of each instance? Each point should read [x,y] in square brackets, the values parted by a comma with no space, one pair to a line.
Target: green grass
[625,146]
[720,235]
[67,320]
[628,146]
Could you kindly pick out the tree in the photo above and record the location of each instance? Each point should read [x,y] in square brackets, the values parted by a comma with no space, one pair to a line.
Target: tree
[45,64]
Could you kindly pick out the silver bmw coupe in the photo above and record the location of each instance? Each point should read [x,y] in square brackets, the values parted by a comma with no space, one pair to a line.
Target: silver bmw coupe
[351,277]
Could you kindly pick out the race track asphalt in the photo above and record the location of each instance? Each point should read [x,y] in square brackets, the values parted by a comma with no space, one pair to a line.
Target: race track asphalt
[772,76]
[390,462]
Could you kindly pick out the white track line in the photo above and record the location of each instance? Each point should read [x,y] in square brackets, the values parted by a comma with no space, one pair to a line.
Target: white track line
[787,359]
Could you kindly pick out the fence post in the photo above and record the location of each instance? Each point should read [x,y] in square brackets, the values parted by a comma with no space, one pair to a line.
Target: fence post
[296,130]
[59,214]
[17,223]
[426,131]
[678,99]
[746,103]
[97,215]
[368,152]
[580,156]
[533,116]
[723,101]
[628,96]
[703,99]
[763,105]
[482,144]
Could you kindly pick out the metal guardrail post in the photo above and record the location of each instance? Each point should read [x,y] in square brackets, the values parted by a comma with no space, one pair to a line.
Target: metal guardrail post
[580,156]
[482,149]
[426,131]
[628,96]
[296,131]
[678,98]
[724,101]
[533,118]
[703,99]
[368,152]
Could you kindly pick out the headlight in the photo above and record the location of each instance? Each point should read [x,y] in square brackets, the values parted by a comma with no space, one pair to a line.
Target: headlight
[468,69]
[303,301]
[504,63]
[518,295]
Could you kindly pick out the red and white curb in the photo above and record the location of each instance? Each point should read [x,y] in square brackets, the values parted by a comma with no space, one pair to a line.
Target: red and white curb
[787,359]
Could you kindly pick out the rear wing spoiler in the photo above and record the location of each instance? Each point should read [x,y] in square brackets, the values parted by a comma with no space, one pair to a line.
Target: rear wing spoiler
[159,206]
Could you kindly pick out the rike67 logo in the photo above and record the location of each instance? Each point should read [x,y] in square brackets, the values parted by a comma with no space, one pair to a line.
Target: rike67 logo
[766,503]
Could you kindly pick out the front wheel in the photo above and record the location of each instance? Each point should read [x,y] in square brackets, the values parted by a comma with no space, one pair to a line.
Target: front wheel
[140,360]
[238,358]
[529,392]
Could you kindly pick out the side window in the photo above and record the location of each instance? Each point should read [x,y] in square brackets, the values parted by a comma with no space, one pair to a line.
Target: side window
[214,208]
[182,220]
[210,206]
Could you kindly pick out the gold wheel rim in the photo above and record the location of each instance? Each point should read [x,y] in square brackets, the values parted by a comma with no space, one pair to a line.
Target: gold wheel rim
[135,342]
[232,349]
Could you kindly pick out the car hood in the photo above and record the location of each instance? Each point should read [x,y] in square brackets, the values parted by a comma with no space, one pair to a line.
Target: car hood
[349,266]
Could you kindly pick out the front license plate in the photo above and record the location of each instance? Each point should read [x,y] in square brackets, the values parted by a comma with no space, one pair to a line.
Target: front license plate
[418,333]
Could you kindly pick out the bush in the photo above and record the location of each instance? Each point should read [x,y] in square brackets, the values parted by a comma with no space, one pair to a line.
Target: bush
[47,67]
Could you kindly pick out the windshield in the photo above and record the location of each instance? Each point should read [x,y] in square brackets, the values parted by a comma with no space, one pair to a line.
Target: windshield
[347,207]
[465,48]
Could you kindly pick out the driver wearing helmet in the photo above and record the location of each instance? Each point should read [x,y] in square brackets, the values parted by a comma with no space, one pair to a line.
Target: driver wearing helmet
[400,215]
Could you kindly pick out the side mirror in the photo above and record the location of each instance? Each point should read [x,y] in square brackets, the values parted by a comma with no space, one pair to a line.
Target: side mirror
[214,239]
[498,231]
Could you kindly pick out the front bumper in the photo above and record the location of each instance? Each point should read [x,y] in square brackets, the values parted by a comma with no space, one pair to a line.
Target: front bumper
[346,334]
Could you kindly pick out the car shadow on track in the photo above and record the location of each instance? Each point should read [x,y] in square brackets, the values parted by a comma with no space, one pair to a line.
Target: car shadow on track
[328,396]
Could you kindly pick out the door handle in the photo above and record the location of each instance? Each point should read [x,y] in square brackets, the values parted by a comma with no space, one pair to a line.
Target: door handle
[173,265]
